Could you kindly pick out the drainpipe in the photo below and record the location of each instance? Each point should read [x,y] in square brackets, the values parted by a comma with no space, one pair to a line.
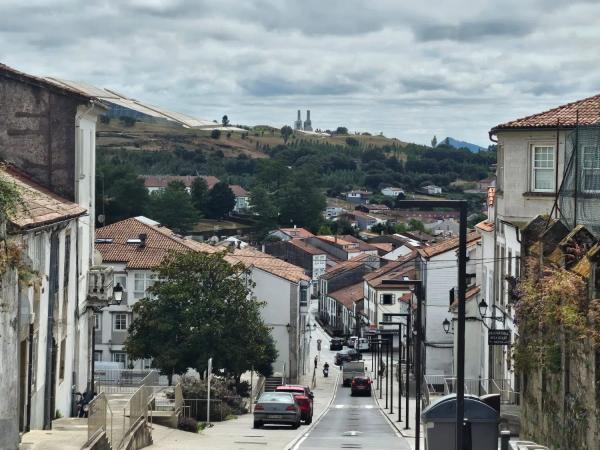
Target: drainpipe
[29,374]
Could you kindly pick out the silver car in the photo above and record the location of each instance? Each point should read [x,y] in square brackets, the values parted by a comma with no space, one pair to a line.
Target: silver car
[278,408]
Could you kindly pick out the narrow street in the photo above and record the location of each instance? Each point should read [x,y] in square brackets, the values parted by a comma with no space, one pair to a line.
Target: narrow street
[349,422]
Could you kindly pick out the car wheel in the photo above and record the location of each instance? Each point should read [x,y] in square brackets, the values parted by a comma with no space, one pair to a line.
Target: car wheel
[296,425]
[258,424]
[308,421]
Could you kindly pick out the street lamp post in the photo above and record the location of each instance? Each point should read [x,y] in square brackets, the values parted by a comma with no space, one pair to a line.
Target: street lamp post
[461,207]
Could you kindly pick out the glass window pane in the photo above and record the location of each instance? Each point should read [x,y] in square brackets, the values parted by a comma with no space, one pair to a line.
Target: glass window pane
[544,179]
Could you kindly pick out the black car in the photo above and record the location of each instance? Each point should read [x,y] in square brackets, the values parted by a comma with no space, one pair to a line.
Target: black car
[347,355]
[336,344]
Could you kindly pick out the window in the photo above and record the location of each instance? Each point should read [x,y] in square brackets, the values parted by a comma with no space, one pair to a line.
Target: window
[387,299]
[141,282]
[98,355]
[120,357]
[120,322]
[591,169]
[97,322]
[543,168]
[34,353]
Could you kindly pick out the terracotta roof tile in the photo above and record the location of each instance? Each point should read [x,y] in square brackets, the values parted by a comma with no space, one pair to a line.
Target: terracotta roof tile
[348,295]
[41,206]
[238,191]
[582,112]
[303,245]
[447,245]
[297,232]
[341,267]
[161,181]
[253,258]
[485,226]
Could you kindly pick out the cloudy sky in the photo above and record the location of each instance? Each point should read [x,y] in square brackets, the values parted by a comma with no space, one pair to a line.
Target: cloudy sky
[456,67]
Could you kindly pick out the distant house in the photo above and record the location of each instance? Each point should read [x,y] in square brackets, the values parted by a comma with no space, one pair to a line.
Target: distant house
[332,212]
[430,189]
[373,208]
[285,234]
[401,245]
[392,191]
[242,198]
[366,221]
[300,253]
[358,196]
[157,182]
[343,247]
[341,304]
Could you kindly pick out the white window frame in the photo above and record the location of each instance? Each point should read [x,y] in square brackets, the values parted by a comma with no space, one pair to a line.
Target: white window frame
[595,167]
[147,279]
[114,359]
[552,148]
[116,319]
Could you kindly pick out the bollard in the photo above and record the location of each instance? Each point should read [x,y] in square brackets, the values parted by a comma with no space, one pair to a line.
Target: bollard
[468,441]
[504,438]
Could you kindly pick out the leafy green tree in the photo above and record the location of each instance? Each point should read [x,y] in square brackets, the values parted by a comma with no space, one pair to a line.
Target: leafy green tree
[416,225]
[434,141]
[263,204]
[220,201]
[343,226]
[173,208]
[286,131]
[120,193]
[341,130]
[225,120]
[324,230]
[199,193]
[301,202]
[188,319]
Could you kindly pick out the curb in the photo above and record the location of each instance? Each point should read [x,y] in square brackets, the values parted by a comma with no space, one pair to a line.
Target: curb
[391,422]
[292,445]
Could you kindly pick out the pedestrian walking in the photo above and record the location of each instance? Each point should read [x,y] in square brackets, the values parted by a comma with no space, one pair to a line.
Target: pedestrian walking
[316,361]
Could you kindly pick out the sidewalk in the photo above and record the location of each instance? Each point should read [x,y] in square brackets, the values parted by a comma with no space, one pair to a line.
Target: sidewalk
[409,434]
[66,434]
[239,433]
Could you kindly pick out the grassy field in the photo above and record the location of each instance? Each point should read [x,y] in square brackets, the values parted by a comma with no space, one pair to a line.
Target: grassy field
[169,136]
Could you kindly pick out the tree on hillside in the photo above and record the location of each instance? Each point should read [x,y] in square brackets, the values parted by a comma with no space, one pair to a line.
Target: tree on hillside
[188,319]
[301,202]
[225,120]
[120,193]
[199,194]
[264,206]
[341,130]
[173,208]
[220,201]
[215,134]
[434,141]
[416,225]
[286,132]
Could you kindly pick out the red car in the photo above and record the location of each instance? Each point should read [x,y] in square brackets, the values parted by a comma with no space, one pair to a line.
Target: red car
[304,399]
[361,386]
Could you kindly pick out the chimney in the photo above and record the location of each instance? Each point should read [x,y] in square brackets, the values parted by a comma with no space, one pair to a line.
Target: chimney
[143,238]
[308,114]
[299,118]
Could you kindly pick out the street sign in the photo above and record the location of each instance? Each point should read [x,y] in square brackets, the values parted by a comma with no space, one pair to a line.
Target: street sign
[498,337]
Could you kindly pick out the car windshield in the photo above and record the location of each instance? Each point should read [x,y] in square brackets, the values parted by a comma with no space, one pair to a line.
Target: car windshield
[274,397]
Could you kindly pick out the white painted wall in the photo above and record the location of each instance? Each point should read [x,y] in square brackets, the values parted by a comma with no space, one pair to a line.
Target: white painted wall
[397,253]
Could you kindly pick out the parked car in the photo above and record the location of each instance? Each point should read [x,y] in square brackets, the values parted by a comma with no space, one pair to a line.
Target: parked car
[336,344]
[277,408]
[347,355]
[361,386]
[304,399]
[351,341]
[362,345]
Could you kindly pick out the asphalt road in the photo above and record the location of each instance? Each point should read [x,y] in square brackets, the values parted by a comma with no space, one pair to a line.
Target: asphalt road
[352,423]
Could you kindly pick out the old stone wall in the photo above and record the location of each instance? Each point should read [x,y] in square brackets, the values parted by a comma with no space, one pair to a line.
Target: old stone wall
[37,134]
[560,408]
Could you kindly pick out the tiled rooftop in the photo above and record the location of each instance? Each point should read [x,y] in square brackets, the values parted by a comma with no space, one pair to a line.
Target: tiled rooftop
[348,295]
[297,232]
[443,247]
[582,112]
[41,206]
[161,240]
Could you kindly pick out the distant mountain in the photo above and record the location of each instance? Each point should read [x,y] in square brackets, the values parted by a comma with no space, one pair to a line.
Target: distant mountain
[461,144]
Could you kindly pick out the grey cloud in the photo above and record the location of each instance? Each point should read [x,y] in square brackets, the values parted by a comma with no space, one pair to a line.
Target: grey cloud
[472,30]
[275,86]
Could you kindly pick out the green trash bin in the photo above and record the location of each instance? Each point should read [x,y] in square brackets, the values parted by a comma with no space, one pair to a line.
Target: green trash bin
[439,420]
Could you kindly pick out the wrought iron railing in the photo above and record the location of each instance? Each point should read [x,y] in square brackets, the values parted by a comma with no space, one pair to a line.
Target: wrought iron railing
[439,385]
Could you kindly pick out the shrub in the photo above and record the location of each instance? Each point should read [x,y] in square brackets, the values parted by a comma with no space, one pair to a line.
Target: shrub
[215,134]
[187,424]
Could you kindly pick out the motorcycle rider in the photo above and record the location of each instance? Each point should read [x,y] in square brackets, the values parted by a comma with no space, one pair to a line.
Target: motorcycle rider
[326,369]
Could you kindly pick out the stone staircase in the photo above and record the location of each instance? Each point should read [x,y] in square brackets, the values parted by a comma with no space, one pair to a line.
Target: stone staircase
[271,383]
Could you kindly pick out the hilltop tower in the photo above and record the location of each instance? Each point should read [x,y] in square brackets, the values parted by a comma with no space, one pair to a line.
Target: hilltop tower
[307,123]
[298,122]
